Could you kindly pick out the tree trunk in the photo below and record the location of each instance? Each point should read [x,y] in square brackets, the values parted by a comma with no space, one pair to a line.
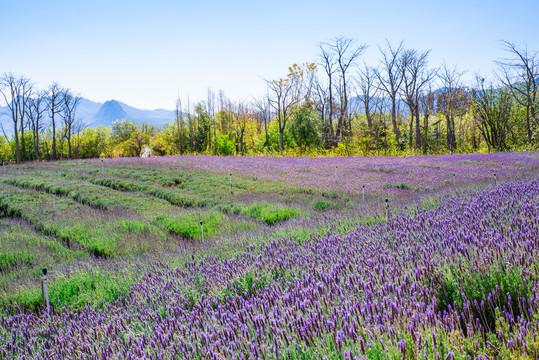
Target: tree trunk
[411,130]
[396,130]
[418,139]
[17,148]
[53,137]
[23,147]
[426,125]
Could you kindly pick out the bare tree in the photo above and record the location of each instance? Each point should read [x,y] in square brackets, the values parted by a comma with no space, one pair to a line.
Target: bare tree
[492,113]
[263,106]
[427,105]
[16,91]
[347,52]
[55,106]
[192,126]
[452,101]
[239,114]
[390,78]
[368,91]
[35,110]
[415,75]
[520,74]
[178,119]
[286,95]
[69,107]
[327,60]
[211,114]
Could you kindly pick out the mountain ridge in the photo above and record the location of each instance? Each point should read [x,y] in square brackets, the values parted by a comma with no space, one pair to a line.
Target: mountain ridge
[95,114]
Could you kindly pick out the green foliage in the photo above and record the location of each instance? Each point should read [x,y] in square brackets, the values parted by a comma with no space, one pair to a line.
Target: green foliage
[502,285]
[320,204]
[245,286]
[401,185]
[122,130]
[188,224]
[304,127]
[224,145]
[268,213]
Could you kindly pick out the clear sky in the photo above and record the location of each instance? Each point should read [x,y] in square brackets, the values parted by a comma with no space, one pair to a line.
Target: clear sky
[144,52]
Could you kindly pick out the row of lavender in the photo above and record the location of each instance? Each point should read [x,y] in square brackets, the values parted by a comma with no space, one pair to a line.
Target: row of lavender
[350,174]
[455,282]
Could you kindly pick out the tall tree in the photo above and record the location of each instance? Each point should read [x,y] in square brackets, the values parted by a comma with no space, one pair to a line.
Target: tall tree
[55,106]
[492,109]
[328,63]
[36,109]
[427,105]
[520,74]
[178,119]
[263,107]
[368,92]
[211,113]
[390,78]
[16,91]
[68,114]
[347,52]
[286,95]
[452,101]
[415,74]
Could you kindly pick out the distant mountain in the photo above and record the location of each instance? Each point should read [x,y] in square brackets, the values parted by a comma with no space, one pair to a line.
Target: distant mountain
[94,114]
[113,110]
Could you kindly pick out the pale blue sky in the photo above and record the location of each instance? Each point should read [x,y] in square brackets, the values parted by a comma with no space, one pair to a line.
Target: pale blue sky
[143,52]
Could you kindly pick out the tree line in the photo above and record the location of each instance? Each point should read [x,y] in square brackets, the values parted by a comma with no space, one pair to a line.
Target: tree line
[335,105]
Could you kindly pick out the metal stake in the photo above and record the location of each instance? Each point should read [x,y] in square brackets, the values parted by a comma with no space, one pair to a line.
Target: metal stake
[202,231]
[45,290]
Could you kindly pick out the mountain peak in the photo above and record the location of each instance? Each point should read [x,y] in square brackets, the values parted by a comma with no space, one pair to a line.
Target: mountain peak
[109,112]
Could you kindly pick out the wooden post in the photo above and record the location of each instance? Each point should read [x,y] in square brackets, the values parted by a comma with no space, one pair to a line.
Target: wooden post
[202,230]
[335,172]
[387,208]
[495,180]
[102,167]
[45,290]
[454,179]
[363,193]
[230,183]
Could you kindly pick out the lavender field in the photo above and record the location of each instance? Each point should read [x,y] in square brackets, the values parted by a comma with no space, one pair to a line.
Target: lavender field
[294,262]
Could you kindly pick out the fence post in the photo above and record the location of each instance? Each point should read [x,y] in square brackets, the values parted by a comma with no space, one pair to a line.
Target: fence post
[230,183]
[45,289]
[202,230]
[387,208]
[102,167]
[363,191]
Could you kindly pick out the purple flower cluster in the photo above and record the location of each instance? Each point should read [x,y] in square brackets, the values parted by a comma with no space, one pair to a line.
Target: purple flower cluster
[377,289]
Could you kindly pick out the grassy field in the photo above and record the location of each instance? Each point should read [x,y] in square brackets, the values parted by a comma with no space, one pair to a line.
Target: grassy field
[212,257]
